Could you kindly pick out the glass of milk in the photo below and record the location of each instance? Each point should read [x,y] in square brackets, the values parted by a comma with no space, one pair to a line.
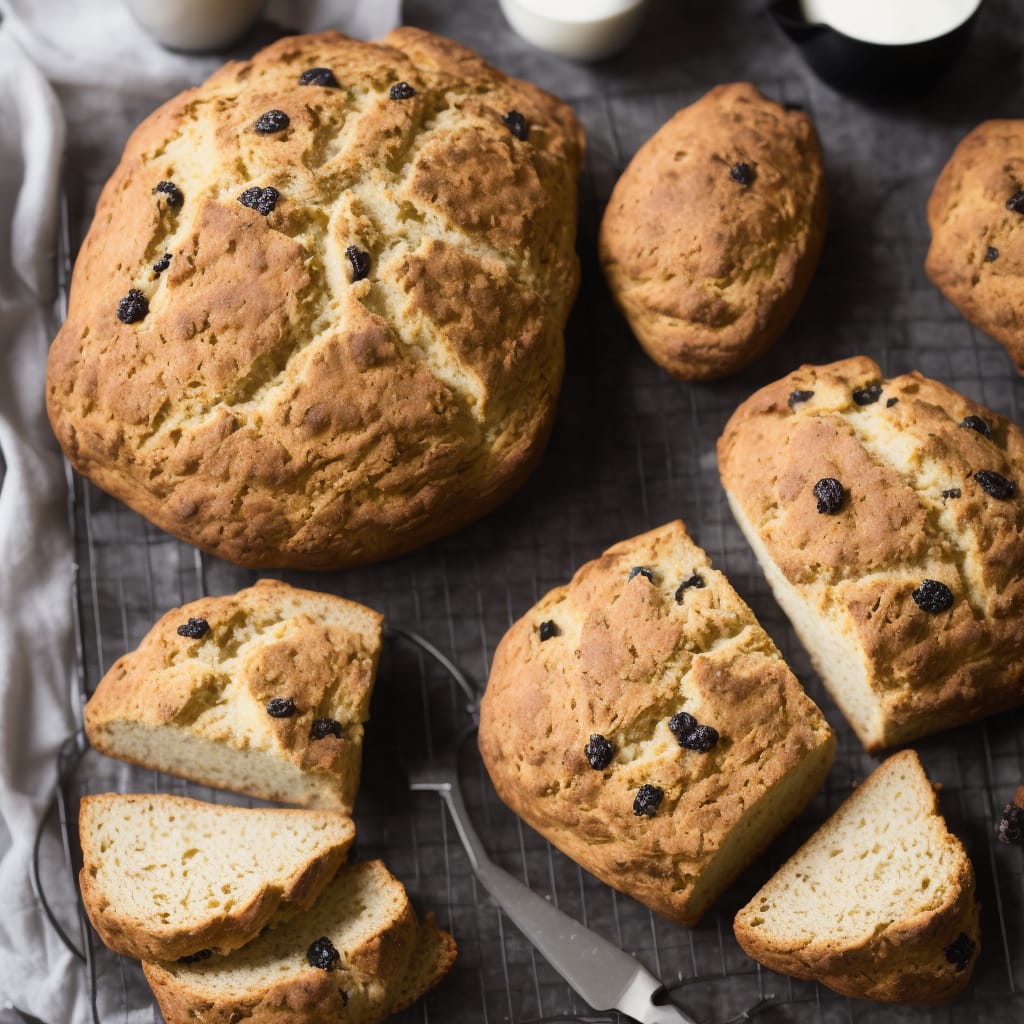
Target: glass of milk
[877,50]
[579,29]
[196,26]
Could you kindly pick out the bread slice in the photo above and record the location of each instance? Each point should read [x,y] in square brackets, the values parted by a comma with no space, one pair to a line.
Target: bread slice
[267,697]
[887,515]
[878,903]
[385,960]
[165,877]
[643,722]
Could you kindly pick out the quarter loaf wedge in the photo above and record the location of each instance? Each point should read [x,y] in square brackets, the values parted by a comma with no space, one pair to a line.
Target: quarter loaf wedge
[642,720]
[165,877]
[887,517]
[263,692]
[358,956]
[878,903]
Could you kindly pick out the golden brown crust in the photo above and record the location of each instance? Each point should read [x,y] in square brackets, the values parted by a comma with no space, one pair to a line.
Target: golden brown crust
[968,216]
[226,929]
[627,657]
[268,408]
[432,959]
[857,569]
[267,641]
[709,271]
[903,962]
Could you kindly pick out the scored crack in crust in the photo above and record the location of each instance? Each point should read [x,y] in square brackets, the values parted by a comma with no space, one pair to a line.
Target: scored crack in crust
[319,324]
[976,217]
[643,722]
[712,234]
[263,692]
[909,595]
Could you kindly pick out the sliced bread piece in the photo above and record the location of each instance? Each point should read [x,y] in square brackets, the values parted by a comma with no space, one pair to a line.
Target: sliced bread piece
[263,692]
[431,960]
[878,903]
[166,877]
[357,956]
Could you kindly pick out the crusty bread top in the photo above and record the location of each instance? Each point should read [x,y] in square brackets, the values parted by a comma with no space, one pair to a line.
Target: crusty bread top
[165,877]
[976,257]
[628,655]
[708,269]
[271,408]
[878,893]
[894,457]
[267,641]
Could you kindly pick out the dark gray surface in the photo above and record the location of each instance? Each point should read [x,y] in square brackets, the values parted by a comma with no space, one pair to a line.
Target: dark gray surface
[631,450]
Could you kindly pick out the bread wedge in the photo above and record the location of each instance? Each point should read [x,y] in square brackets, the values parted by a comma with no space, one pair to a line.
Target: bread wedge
[359,955]
[888,517]
[166,876]
[878,903]
[263,692]
[643,722]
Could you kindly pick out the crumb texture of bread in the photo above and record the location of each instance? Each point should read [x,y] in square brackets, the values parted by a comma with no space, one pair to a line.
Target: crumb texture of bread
[386,960]
[345,335]
[909,595]
[165,877]
[642,637]
[976,217]
[200,707]
[878,903]
[713,232]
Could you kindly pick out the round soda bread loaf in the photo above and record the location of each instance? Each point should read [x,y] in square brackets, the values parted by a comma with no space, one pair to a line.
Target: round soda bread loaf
[317,320]
[165,877]
[887,518]
[976,216]
[359,955]
[262,692]
[643,722]
[878,903]
[712,234]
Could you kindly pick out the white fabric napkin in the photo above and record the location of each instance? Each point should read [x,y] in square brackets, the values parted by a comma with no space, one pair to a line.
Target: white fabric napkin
[88,47]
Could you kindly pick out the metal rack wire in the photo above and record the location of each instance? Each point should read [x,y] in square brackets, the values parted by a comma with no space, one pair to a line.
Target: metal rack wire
[631,449]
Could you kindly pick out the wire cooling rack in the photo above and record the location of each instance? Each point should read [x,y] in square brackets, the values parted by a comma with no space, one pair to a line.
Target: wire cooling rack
[631,449]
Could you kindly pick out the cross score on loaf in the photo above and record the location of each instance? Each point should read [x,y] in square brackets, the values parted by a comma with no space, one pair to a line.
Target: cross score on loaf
[317,320]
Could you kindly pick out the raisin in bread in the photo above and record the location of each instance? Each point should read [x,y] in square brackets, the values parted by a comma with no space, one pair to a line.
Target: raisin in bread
[318,318]
[1010,827]
[164,877]
[712,234]
[643,722]
[359,955]
[263,692]
[886,517]
[976,216]
[878,903]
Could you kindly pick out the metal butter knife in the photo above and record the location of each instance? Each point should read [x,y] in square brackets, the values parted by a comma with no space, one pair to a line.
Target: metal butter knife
[605,976]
